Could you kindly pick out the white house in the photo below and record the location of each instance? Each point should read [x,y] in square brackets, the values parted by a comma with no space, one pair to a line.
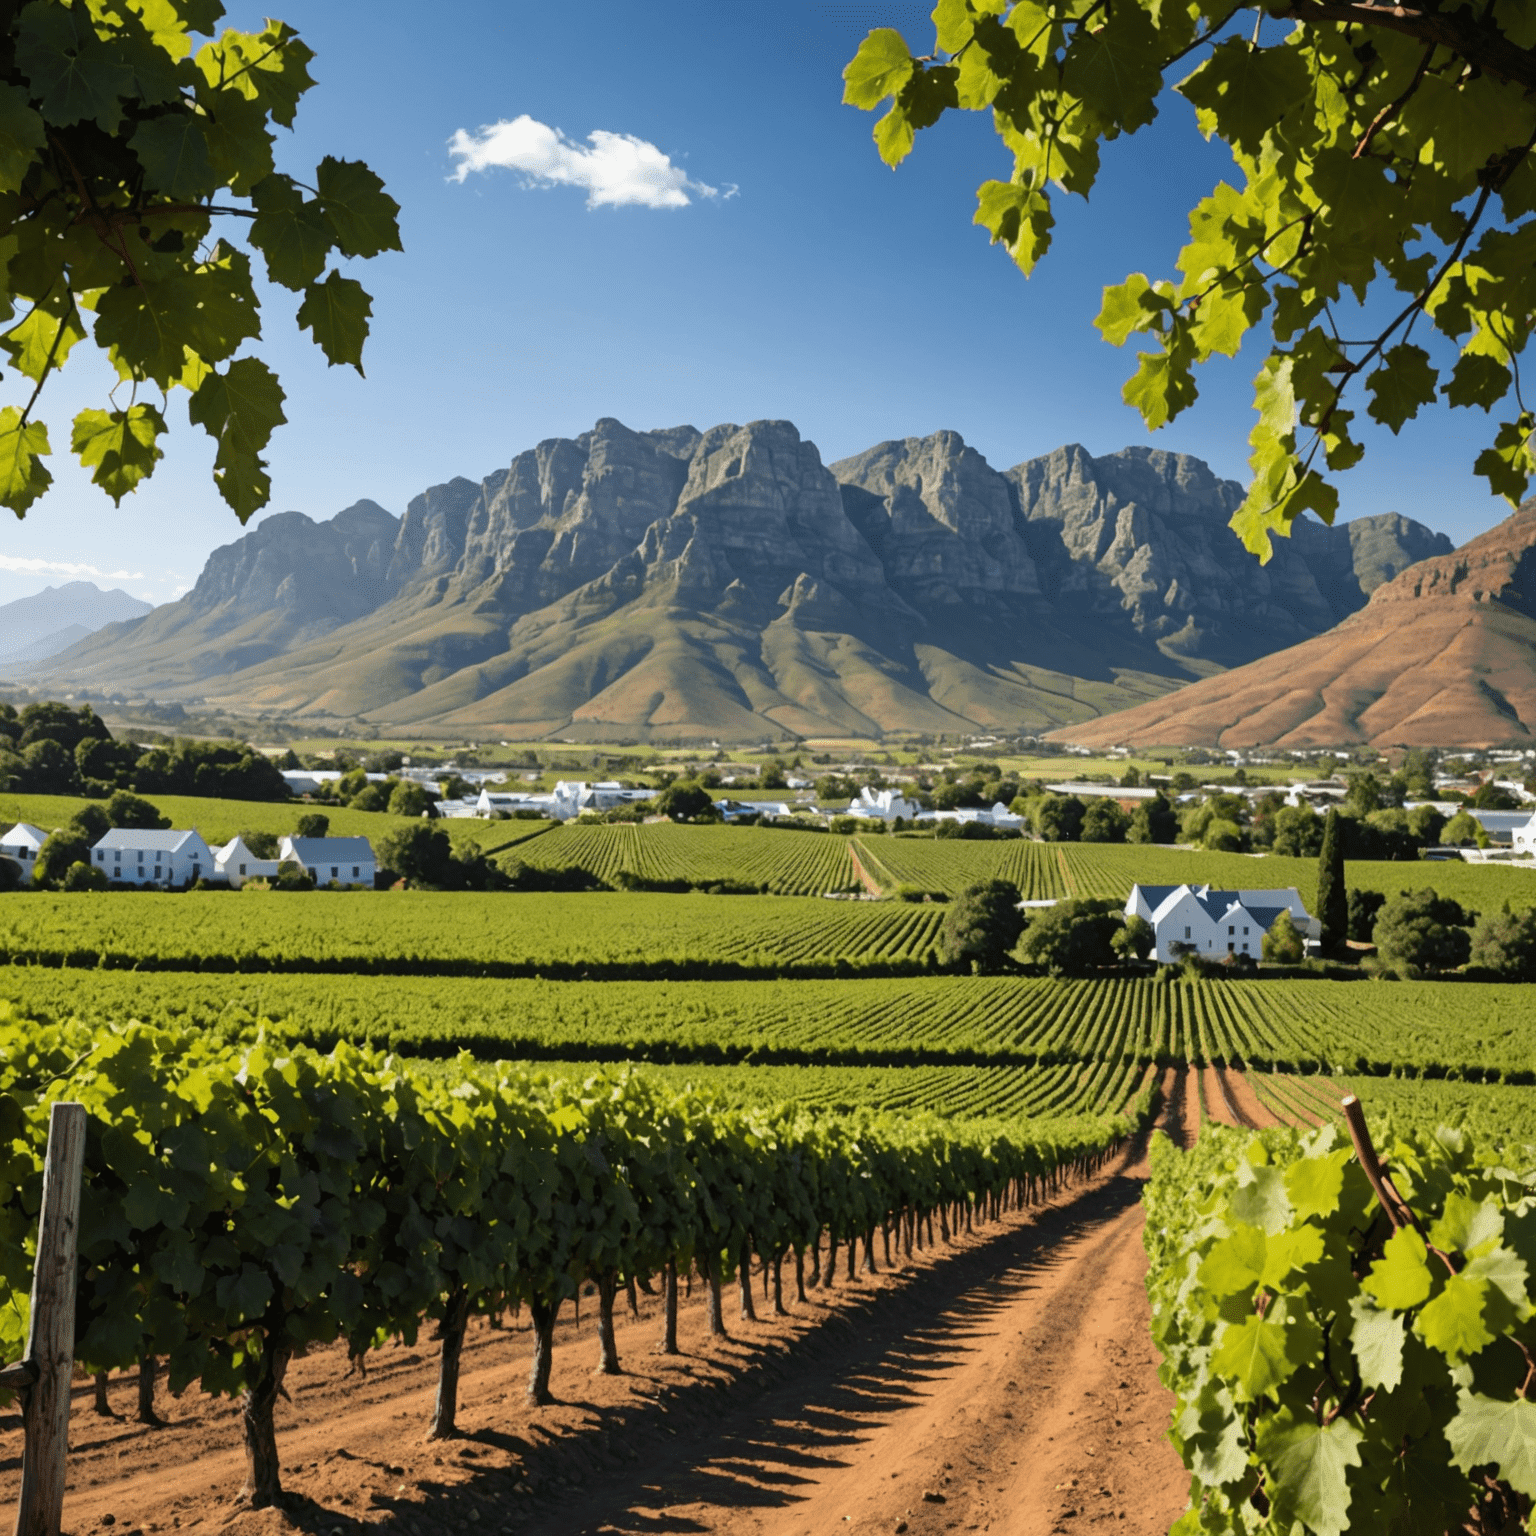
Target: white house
[236,863]
[1501,826]
[1216,923]
[883,805]
[996,815]
[134,856]
[1522,838]
[341,861]
[21,845]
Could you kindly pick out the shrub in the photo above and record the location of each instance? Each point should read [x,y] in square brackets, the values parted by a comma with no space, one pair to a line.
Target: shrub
[1058,818]
[82,876]
[126,810]
[683,802]
[312,825]
[1283,943]
[408,798]
[1363,908]
[1504,943]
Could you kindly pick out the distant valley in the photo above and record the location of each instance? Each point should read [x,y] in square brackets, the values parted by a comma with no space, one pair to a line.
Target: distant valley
[685,585]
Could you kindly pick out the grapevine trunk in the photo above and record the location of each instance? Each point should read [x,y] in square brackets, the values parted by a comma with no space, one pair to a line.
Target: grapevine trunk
[263,1482]
[669,1311]
[451,1332]
[607,1294]
[716,1316]
[148,1367]
[543,1351]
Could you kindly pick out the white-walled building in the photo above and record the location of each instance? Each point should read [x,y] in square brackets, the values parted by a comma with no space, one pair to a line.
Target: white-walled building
[342,861]
[136,856]
[568,799]
[995,815]
[21,845]
[883,805]
[235,863]
[1215,923]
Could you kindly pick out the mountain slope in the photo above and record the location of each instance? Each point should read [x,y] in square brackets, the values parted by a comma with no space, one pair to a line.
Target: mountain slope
[726,583]
[1444,654]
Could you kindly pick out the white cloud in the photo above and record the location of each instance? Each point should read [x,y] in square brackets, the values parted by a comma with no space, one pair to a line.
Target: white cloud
[34,567]
[618,168]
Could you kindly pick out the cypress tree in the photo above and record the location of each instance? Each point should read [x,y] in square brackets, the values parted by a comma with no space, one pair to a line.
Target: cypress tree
[1332,898]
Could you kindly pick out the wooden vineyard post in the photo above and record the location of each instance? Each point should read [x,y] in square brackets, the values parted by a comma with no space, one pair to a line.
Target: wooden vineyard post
[46,1371]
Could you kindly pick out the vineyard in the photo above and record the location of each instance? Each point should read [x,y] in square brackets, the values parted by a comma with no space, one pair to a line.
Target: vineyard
[781,860]
[245,1203]
[460,933]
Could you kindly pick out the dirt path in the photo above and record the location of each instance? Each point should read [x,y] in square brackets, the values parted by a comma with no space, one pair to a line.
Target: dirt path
[1007,1383]
[1251,1109]
[862,874]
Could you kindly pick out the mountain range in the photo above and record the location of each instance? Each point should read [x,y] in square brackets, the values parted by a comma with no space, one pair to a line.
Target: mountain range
[37,627]
[1444,654]
[686,585]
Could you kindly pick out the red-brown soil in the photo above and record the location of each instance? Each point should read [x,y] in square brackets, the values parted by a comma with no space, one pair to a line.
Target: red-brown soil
[1442,655]
[1005,1383]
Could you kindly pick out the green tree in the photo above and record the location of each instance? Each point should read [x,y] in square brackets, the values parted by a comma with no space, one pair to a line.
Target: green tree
[61,848]
[1073,937]
[683,801]
[1504,943]
[1422,931]
[128,130]
[1425,823]
[1153,821]
[1463,831]
[1384,158]
[1332,898]
[1363,909]
[1136,938]
[420,852]
[409,799]
[1298,832]
[982,925]
[371,797]
[1489,796]
[1283,942]
[126,810]
[1105,822]
[1057,818]
[312,824]
[1223,836]
[263,845]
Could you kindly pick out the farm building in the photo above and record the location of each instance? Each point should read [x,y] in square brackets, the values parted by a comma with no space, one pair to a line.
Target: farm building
[20,845]
[1215,923]
[136,856]
[235,863]
[341,861]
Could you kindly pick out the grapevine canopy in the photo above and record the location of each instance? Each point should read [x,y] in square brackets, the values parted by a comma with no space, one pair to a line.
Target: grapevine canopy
[1385,160]
[124,136]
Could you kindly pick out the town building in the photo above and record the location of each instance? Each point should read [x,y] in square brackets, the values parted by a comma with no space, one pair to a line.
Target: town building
[138,856]
[1215,923]
[883,805]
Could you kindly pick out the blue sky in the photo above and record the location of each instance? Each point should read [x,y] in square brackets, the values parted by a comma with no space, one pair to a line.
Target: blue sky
[858,302]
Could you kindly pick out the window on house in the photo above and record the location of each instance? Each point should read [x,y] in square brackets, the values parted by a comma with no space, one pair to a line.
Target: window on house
[1245,934]
[101,856]
[1186,933]
[1231,948]
[334,872]
[1245,949]
[355,871]
[242,869]
[1231,927]
[117,855]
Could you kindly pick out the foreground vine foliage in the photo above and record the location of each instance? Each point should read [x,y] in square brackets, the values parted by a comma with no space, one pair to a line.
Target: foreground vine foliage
[1338,1365]
[1384,154]
[122,138]
[244,1202]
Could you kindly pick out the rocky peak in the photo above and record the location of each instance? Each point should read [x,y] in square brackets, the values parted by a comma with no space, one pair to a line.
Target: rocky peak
[433,531]
[942,520]
[1498,566]
[331,570]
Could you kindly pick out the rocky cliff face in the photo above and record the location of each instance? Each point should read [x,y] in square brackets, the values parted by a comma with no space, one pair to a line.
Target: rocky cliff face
[615,570]
[1143,533]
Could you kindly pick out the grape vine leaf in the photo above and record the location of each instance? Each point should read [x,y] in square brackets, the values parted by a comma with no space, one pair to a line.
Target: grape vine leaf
[1466,1225]
[1377,1338]
[880,68]
[119,446]
[1261,1198]
[337,312]
[1314,1184]
[1488,1432]
[21,135]
[1453,1322]
[239,408]
[1308,1467]
[23,477]
[1253,1355]
[362,214]
[1400,1278]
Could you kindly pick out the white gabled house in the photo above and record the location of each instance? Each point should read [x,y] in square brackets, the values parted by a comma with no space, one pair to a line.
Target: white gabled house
[1215,923]
[21,845]
[339,861]
[883,805]
[135,856]
[235,863]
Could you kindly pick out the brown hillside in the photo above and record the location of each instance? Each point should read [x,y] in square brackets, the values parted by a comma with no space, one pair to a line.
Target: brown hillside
[1442,655]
